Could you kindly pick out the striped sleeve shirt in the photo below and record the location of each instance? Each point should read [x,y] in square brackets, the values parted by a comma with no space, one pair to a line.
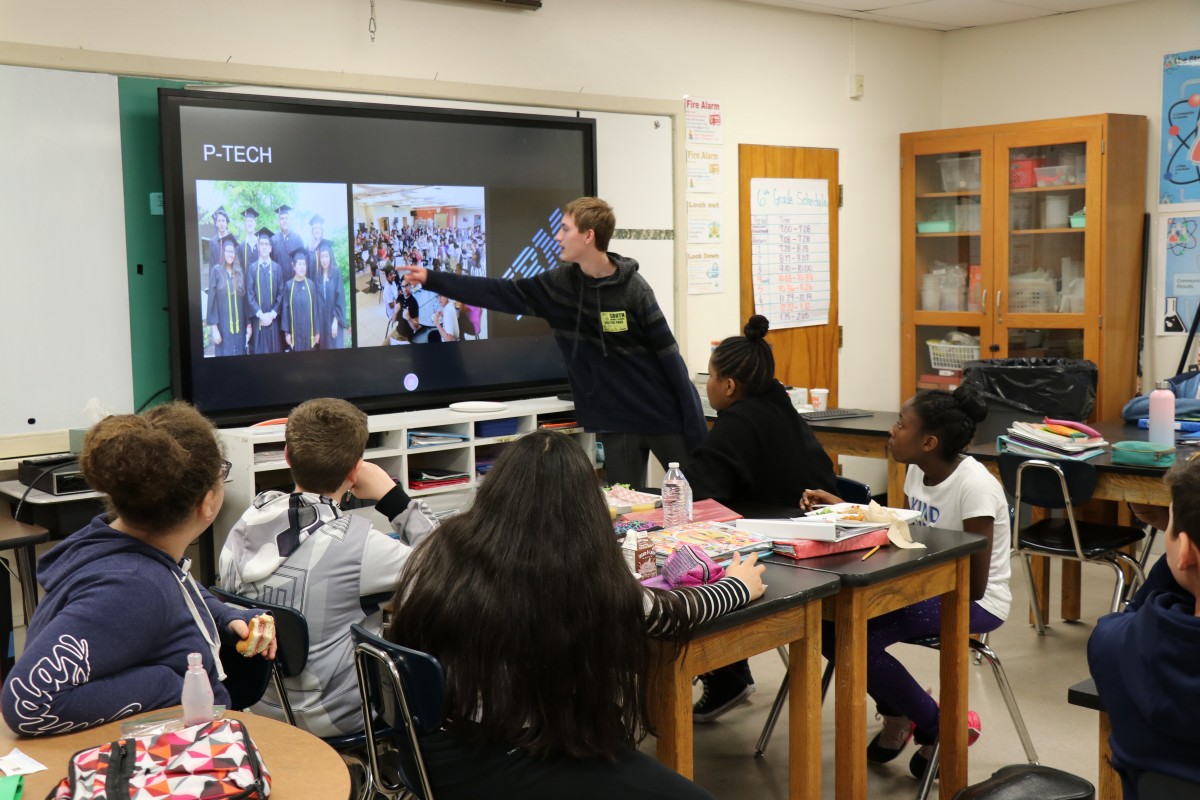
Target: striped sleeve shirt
[699,605]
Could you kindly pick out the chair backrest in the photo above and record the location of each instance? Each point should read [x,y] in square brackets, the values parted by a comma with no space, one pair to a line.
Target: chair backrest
[405,689]
[1048,483]
[291,630]
[853,491]
[1156,786]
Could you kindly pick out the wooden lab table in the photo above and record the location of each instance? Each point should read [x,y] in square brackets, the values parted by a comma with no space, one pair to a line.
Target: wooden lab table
[1120,483]
[1108,782]
[866,437]
[302,767]
[788,614]
[890,579]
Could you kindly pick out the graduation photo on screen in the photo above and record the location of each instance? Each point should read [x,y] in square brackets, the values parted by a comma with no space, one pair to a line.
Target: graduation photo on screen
[275,267]
[441,228]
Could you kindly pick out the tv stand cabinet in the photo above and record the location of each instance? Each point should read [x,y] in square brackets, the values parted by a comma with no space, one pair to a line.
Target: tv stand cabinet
[258,464]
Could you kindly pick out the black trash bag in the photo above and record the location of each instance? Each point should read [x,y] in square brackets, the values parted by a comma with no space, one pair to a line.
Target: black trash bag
[1059,388]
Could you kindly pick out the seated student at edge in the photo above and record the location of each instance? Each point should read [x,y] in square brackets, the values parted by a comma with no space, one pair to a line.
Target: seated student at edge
[121,613]
[1144,660]
[544,636]
[758,459]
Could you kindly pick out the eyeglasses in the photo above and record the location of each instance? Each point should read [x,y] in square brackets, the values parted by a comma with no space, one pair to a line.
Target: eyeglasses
[225,468]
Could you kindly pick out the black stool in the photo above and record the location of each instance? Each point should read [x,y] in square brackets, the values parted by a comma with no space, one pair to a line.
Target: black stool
[1029,782]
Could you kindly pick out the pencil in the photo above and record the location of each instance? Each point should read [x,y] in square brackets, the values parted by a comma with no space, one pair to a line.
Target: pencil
[871,552]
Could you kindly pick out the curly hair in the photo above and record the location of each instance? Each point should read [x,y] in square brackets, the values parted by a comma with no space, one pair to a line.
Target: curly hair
[155,467]
[950,417]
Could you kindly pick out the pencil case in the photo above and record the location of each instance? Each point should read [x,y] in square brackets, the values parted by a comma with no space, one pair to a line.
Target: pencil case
[1143,454]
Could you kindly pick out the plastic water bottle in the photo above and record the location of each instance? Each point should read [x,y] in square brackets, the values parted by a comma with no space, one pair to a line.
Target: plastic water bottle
[197,692]
[1162,416]
[676,497]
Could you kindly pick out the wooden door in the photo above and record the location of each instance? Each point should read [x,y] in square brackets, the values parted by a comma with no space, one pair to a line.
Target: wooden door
[803,356]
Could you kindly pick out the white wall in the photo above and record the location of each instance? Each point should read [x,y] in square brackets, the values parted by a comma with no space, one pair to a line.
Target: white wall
[780,74]
[1103,61]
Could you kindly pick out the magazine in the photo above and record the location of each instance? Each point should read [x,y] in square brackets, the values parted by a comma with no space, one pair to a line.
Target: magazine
[718,541]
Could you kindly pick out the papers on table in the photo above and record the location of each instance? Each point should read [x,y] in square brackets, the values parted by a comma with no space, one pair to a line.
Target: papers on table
[1037,440]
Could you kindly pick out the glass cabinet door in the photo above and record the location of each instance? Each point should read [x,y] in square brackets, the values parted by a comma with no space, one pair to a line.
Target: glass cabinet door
[1045,250]
[948,245]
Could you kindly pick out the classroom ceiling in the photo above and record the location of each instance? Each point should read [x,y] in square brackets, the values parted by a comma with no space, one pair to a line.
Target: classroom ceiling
[942,15]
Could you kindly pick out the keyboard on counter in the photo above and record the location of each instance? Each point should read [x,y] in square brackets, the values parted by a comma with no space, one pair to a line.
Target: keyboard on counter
[835,413]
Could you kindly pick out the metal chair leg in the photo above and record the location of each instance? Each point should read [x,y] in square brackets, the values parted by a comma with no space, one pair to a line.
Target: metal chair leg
[1034,605]
[783,654]
[1139,577]
[1010,699]
[764,738]
[931,772]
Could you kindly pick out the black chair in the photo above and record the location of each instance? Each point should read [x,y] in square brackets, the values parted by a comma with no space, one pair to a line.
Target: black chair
[1062,485]
[291,656]
[1029,782]
[1156,786]
[405,689]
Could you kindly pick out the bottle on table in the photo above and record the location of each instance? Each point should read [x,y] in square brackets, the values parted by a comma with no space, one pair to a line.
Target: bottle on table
[676,497]
[197,696]
[1162,415]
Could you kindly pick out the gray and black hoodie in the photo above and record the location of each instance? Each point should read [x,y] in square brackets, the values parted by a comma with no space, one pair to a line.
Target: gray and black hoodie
[623,362]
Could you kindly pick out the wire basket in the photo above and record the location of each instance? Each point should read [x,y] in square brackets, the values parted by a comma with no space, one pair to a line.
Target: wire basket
[1032,297]
[951,356]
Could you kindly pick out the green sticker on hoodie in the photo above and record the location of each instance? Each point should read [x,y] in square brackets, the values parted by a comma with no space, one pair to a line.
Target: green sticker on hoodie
[613,321]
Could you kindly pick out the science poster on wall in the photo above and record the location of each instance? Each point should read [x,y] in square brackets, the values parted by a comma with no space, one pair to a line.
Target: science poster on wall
[1179,278]
[1179,151]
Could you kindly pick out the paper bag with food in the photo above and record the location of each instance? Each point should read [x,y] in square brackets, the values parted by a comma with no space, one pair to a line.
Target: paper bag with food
[898,533]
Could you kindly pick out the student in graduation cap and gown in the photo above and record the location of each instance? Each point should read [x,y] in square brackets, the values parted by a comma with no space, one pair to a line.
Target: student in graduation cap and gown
[264,295]
[317,226]
[332,293]
[285,243]
[248,251]
[228,315]
[216,242]
[301,307]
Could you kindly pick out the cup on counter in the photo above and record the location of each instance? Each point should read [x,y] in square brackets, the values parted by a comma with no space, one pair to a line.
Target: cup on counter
[799,395]
[820,399]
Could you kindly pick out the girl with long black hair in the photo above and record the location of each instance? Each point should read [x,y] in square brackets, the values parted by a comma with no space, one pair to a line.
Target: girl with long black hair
[544,635]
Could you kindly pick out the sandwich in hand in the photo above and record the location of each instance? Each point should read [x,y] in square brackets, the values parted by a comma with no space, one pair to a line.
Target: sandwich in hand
[262,633]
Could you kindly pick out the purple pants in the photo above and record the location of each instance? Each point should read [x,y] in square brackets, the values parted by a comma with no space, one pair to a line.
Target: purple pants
[895,691]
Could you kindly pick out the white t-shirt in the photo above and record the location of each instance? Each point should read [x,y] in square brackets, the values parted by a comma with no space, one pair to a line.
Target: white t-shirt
[450,321]
[969,492]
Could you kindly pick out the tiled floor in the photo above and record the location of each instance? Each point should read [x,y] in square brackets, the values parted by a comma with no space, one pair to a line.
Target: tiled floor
[1040,670]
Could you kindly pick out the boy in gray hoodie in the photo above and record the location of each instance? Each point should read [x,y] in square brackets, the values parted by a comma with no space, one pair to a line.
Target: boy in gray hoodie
[301,550]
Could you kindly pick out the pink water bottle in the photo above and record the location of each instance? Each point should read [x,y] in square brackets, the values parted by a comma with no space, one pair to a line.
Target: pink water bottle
[1162,415]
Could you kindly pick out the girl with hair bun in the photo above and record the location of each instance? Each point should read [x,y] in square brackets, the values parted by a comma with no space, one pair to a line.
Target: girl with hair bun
[954,491]
[112,636]
[758,459]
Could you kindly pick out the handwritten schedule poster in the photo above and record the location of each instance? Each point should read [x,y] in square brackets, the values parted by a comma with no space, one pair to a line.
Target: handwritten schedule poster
[789,242]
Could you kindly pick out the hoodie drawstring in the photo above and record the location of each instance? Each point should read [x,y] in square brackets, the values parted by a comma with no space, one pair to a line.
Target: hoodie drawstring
[600,321]
[578,318]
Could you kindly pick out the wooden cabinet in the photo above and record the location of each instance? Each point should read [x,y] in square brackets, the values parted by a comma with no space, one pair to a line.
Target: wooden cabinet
[1026,238]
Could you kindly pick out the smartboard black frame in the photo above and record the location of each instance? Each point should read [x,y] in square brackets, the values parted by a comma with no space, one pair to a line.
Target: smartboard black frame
[528,164]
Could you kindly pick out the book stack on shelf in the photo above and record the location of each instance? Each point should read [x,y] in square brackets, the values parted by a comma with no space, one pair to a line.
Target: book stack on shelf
[434,438]
[1051,440]
[427,478]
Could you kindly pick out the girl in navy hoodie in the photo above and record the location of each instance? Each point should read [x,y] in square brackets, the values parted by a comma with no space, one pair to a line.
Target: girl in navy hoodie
[121,613]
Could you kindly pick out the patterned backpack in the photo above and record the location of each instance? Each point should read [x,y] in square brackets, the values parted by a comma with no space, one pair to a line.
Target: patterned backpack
[215,761]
